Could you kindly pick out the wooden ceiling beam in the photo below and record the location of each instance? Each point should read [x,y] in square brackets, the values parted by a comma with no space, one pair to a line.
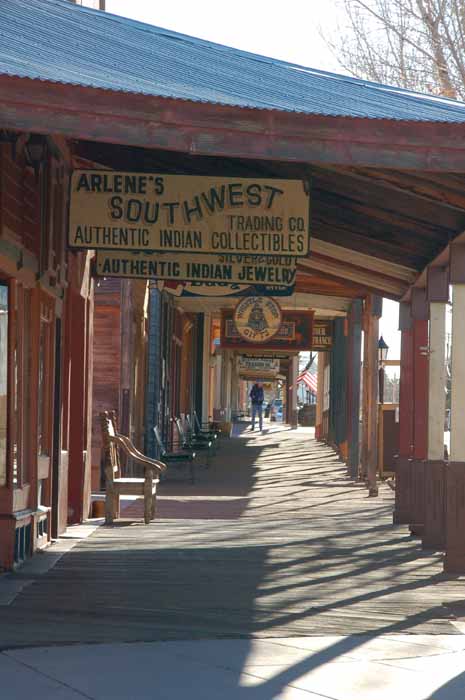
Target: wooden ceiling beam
[448,189]
[408,185]
[363,278]
[342,233]
[387,223]
[359,290]
[391,203]
[313,282]
[368,262]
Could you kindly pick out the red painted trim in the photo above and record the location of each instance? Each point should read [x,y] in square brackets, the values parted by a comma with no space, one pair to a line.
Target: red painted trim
[209,129]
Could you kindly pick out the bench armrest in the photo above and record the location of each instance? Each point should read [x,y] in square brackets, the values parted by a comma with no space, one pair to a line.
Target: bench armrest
[137,456]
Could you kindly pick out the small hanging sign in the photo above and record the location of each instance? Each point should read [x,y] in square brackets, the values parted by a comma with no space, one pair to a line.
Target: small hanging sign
[257,319]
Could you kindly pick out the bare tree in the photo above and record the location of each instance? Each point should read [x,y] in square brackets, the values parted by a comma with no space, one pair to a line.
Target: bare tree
[416,44]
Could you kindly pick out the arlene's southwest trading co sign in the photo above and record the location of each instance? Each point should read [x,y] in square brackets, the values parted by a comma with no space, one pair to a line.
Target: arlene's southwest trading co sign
[188,214]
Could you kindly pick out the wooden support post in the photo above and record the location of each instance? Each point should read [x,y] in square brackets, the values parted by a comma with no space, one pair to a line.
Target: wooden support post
[402,509]
[434,516]
[420,314]
[365,387]
[372,371]
[320,396]
[293,374]
[353,411]
[206,367]
[455,480]
[338,388]
[77,431]
[226,386]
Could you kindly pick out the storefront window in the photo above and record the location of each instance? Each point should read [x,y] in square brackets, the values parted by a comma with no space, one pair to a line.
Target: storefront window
[3,380]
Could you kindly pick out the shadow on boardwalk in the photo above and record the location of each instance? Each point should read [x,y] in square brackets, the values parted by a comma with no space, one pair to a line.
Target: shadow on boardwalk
[273,541]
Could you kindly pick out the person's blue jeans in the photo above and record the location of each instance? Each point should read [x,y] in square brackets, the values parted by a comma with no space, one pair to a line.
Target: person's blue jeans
[257,411]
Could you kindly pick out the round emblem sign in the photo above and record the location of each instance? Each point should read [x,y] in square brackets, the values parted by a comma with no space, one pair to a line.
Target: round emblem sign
[257,319]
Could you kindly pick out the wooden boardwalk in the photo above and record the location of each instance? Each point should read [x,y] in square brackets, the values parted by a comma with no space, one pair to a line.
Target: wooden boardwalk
[273,541]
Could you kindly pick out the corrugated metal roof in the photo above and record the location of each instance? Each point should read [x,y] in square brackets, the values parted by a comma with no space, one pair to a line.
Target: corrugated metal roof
[55,40]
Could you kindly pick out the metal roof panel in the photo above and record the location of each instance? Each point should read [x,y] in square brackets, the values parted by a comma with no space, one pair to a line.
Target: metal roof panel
[57,41]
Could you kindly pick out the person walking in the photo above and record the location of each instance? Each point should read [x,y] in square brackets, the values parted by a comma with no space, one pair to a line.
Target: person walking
[257,397]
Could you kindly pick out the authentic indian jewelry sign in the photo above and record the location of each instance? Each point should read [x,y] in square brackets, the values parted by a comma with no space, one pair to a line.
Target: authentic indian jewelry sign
[294,334]
[257,319]
[188,214]
[238,269]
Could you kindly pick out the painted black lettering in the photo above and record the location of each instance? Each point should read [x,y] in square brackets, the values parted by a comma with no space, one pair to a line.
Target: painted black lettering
[106,267]
[254,198]
[151,212]
[235,194]
[83,183]
[191,211]
[142,184]
[78,236]
[171,206]
[107,185]
[116,211]
[96,182]
[214,199]
[272,192]
[159,185]
[133,210]
[130,184]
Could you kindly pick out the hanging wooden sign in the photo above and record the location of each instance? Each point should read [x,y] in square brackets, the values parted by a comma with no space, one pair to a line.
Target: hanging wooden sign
[223,289]
[232,269]
[257,319]
[188,213]
[267,365]
[322,337]
[294,333]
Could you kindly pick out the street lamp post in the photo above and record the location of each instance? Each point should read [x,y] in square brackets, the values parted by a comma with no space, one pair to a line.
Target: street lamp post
[383,350]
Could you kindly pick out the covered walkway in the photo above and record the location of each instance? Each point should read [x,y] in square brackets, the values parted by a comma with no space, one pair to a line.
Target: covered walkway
[273,541]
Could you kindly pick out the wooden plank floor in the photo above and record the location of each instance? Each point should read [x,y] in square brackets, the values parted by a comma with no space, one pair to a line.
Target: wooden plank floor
[273,541]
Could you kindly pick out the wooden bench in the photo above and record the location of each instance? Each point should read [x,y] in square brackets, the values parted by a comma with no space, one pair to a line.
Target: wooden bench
[192,442]
[210,427]
[195,430]
[178,458]
[116,484]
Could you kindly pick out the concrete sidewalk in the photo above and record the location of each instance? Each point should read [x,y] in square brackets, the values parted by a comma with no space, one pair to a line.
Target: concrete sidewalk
[399,667]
